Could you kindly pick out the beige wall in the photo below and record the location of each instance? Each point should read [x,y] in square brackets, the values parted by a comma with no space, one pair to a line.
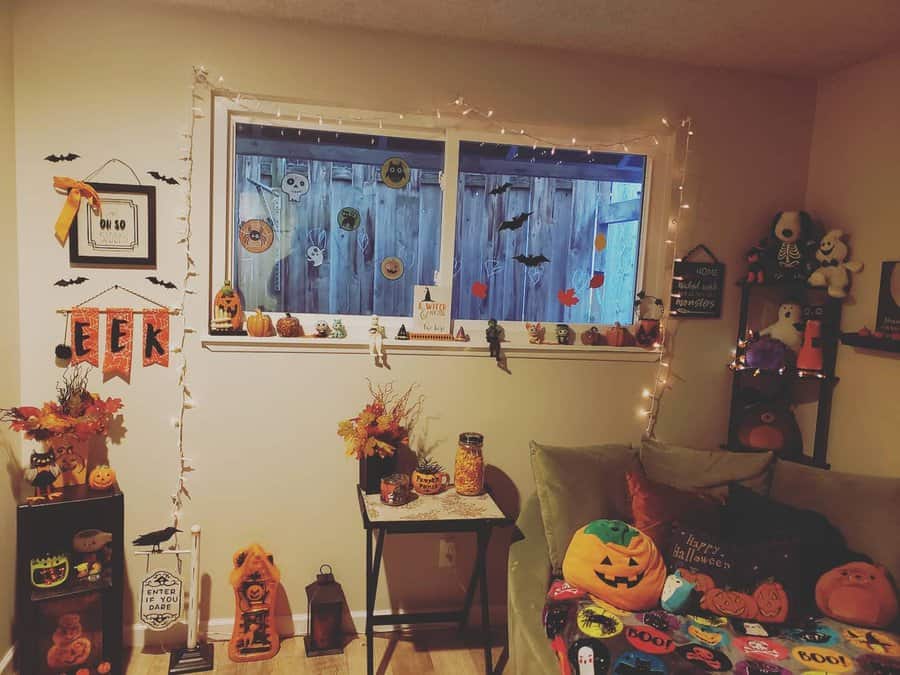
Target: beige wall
[269,466]
[854,169]
[9,309]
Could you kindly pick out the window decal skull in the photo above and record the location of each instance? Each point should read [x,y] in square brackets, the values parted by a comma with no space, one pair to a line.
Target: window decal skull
[294,185]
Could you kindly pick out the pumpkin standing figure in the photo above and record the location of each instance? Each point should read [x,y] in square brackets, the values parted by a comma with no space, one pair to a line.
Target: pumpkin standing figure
[255,580]
[227,314]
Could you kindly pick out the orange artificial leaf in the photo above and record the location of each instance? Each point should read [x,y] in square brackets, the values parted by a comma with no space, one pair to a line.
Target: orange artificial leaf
[597,280]
[480,290]
[567,298]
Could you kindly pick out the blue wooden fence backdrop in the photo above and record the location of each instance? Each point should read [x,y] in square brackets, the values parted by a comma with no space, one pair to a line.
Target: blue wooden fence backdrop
[568,215]
[394,222]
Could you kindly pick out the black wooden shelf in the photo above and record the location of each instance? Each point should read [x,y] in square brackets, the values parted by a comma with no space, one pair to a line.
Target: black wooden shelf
[70,589]
[871,342]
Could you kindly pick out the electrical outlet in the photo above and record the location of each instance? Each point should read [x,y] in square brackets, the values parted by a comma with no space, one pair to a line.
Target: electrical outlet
[447,553]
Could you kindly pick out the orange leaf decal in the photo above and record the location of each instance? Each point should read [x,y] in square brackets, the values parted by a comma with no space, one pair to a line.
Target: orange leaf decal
[480,290]
[597,280]
[567,297]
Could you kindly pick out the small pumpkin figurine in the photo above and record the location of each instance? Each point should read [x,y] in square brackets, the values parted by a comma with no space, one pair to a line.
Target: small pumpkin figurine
[289,326]
[102,477]
[227,311]
[260,325]
[771,602]
[619,336]
[857,593]
[616,563]
[729,603]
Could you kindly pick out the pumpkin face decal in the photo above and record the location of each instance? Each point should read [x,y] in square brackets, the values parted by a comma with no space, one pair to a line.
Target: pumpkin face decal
[102,477]
[857,593]
[729,603]
[771,602]
[615,563]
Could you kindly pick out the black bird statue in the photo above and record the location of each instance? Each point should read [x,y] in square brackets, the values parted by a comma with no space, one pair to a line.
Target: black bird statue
[155,538]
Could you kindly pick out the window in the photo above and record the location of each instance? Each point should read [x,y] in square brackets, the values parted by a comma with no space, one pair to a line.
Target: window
[345,219]
[532,223]
[334,223]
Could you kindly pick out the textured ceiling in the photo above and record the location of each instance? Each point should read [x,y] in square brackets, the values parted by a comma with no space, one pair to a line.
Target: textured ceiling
[786,37]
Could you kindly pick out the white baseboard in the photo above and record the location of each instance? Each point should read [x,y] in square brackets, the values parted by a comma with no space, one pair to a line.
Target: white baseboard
[218,629]
[7,661]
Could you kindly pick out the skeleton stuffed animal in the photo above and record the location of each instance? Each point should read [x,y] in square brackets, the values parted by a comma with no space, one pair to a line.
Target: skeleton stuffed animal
[834,270]
[789,327]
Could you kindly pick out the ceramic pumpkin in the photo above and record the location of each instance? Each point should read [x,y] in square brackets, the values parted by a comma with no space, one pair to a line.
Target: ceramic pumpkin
[289,326]
[771,602]
[857,593]
[227,311]
[616,563]
[729,603]
[619,336]
[260,325]
[102,477]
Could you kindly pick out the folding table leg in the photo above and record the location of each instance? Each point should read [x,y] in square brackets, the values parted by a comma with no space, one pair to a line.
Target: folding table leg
[484,537]
[373,569]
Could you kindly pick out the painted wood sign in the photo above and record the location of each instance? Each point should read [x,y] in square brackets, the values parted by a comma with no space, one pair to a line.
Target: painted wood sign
[697,287]
[160,600]
[431,307]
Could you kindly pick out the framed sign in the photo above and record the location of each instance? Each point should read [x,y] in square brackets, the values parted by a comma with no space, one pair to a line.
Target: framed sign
[124,234]
[697,287]
[888,320]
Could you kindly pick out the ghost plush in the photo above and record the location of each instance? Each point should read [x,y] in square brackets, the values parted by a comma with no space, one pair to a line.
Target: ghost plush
[834,270]
[676,594]
[789,327]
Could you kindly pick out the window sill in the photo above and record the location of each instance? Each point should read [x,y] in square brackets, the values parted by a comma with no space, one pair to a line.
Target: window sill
[428,348]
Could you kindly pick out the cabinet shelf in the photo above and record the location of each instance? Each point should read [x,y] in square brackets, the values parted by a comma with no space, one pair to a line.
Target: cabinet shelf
[69,590]
[871,342]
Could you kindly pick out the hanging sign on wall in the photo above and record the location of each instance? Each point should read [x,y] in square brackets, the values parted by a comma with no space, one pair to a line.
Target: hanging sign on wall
[697,287]
[160,599]
[889,298]
[432,309]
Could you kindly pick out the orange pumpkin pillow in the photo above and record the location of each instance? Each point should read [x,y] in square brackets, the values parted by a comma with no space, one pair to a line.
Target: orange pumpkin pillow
[616,563]
[857,593]
[656,507]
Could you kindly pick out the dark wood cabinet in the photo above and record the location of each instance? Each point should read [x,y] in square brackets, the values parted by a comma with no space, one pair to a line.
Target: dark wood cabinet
[77,623]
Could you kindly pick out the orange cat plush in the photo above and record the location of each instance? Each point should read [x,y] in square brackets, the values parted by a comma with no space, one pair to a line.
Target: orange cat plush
[857,593]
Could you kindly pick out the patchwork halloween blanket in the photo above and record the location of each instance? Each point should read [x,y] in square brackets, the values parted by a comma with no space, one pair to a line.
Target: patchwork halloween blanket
[594,638]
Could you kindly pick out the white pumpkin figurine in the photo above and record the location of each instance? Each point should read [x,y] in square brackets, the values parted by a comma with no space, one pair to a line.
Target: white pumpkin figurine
[789,327]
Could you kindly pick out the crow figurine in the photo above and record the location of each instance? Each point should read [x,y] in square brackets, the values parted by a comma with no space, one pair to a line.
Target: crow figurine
[155,538]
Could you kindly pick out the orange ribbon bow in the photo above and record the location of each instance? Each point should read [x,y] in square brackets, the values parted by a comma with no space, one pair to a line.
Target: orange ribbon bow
[77,190]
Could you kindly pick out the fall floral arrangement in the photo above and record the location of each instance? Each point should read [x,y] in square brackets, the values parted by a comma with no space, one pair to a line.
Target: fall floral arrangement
[76,413]
[383,425]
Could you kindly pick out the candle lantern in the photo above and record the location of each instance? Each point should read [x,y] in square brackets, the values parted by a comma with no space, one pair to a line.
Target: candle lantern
[324,633]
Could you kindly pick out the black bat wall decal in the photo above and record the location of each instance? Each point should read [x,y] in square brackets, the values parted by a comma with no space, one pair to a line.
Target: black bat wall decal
[71,282]
[160,282]
[165,179]
[500,189]
[516,222]
[62,158]
[531,260]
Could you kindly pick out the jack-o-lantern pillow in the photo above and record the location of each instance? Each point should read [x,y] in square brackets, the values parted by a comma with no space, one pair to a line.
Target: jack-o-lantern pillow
[616,563]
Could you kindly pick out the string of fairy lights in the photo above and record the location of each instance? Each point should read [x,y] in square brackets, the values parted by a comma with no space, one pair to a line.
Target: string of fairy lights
[461,110]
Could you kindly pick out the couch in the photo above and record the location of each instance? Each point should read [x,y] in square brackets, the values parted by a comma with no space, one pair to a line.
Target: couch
[577,485]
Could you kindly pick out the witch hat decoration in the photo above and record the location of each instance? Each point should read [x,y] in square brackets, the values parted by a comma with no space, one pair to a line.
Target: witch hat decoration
[402,334]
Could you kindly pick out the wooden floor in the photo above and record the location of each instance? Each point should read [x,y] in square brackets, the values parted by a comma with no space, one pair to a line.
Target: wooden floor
[429,651]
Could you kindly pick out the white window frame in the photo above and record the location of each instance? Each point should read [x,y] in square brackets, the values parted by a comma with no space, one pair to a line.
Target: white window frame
[226,114]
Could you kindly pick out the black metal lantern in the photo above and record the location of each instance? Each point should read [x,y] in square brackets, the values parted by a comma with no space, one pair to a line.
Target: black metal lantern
[324,634]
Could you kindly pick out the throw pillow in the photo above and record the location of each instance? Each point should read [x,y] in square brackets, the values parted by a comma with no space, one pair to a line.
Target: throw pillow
[705,470]
[656,507]
[577,485]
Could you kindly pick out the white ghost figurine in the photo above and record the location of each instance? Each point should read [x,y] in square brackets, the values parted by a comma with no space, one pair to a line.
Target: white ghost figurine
[789,327]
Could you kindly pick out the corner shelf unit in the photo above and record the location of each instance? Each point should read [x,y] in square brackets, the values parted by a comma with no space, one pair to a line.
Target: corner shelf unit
[48,527]
[822,383]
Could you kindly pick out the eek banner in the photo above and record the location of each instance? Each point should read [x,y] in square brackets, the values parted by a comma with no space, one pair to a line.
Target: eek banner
[84,335]
[119,333]
[156,337]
